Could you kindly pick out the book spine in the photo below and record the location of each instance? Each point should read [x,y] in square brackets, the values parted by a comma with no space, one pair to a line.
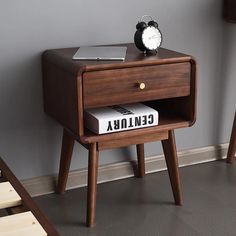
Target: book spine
[128,123]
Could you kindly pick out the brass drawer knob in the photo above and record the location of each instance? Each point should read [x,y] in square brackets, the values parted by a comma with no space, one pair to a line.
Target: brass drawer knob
[142,86]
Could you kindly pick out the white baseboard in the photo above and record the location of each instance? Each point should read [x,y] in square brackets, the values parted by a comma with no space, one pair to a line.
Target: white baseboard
[78,178]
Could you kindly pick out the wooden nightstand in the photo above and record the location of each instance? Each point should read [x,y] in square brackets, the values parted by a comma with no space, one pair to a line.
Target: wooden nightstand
[70,87]
[232,143]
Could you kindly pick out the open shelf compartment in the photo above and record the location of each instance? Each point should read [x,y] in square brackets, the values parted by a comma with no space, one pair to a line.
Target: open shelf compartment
[172,115]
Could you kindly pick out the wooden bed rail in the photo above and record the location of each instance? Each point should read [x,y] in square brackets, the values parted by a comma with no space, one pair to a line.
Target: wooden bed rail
[31,221]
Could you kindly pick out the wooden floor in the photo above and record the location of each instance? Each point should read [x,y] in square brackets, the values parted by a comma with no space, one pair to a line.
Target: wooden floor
[144,207]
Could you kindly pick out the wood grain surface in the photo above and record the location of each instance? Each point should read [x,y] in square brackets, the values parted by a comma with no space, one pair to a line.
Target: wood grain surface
[109,87]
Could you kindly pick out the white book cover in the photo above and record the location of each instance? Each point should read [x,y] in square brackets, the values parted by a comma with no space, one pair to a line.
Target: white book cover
[120,117]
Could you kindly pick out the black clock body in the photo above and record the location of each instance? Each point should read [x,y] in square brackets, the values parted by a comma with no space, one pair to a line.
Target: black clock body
[147,36]
[138,41]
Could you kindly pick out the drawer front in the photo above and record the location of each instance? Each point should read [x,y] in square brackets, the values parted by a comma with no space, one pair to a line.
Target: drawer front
[119,86]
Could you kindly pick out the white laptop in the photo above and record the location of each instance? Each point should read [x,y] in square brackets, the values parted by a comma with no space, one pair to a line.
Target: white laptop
[101,53]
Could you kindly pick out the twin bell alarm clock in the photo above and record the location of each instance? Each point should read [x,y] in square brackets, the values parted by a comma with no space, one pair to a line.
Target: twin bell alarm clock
[147,37]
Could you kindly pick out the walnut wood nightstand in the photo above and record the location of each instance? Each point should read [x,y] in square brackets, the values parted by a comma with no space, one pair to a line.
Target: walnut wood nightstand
[70,87]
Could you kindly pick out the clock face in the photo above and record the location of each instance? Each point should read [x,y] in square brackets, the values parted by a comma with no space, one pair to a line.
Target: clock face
[151,38]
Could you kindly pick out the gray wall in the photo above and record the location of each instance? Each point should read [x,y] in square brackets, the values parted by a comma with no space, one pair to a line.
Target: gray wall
[226,89]
[30,141]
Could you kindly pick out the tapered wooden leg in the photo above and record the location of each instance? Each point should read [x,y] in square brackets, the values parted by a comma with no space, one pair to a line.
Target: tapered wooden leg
[92,184]
[170,153]
[232,144]
[141,160]
[66,154]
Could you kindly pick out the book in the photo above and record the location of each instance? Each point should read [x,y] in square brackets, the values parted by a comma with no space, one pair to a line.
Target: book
[120,118]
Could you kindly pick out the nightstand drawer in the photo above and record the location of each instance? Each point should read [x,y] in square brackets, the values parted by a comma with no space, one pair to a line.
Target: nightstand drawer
[108,87]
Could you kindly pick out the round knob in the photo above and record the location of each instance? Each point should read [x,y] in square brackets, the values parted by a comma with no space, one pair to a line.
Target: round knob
[142,86]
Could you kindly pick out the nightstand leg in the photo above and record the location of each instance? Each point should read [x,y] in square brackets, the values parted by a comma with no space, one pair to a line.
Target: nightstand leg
[66,154]
[141,160]
[170,153]
[92,184]
[232,144]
